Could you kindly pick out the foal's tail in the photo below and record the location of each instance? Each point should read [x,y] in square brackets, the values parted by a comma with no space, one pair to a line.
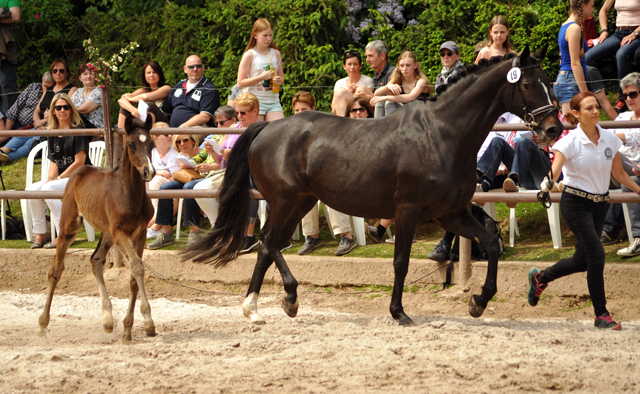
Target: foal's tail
[227,238]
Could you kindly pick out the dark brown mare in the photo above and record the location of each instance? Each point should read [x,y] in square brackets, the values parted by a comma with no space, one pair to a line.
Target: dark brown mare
[116,203]
[418,163]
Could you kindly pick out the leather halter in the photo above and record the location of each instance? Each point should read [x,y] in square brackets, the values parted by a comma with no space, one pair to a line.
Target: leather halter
[530,116]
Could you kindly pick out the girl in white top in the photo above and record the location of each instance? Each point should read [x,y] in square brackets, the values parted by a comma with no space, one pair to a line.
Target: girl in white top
[498,42]
[588,155]
[407,83]
[345,88]
[261,65]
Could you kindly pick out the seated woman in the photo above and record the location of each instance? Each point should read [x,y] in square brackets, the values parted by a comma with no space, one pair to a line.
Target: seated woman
[66,154]
[153,92]
[246,113]
[164,217]
[407,83]
[346,88]
[60,72]
[164,158]
[88,99]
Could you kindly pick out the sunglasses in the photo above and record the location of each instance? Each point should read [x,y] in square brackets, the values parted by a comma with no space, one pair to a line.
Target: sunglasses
[446,54]
[184,141]
[243,113]
[221,122]
[356,110]
[59,70]
[192,66]
[632,95]
[62,107]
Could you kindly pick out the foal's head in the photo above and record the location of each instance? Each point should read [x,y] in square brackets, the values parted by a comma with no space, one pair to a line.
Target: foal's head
[532,98]
[139,144]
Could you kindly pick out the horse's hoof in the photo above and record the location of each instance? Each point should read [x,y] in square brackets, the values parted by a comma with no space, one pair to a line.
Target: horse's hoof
[475,310]
[108,328]
[405,321]
[151,332]
[42,332]
[290,309]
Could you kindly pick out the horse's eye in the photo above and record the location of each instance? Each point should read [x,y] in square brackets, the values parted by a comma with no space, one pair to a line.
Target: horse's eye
[132,146]
[527,86]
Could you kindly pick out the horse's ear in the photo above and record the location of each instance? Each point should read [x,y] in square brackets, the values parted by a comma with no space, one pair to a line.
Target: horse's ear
[148,124]
[542,52]
[524,56]
[128,123]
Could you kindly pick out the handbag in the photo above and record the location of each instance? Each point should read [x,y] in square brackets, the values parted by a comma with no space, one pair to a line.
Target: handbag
[184,176]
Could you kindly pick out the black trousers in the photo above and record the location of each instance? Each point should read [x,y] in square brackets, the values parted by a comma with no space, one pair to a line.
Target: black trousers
[585,218]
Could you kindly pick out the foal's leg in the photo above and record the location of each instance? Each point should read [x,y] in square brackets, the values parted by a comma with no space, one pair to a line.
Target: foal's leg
[133,253]
[97,264]
[406,219]
[70,223]
[465,225]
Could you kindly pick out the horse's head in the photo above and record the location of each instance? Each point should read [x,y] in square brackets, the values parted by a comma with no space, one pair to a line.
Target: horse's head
[531,96]
[139,143]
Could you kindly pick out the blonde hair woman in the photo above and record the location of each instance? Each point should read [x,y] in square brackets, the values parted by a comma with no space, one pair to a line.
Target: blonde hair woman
[66,154]
[407,83]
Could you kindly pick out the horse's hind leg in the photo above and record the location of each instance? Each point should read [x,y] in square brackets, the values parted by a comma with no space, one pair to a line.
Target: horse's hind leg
[465,225]
[250,304]
[70,223]
[136,282]
[97,264]
[406,220]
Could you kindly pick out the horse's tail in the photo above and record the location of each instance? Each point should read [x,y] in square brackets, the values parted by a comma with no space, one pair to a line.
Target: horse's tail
[226,239]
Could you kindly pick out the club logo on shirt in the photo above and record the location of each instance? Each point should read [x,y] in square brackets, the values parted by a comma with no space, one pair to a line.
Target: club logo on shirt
[197,95]
[608,153]
[177,93]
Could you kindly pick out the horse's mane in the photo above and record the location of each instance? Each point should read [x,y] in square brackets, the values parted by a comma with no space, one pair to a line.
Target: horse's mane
[473,69]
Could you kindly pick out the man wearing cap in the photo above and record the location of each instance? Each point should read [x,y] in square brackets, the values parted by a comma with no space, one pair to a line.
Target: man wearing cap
[450,57]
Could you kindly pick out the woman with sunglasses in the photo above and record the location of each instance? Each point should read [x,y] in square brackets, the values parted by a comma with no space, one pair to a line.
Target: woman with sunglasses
[187,145]
[154,91]
[630,156]
[246,113]
[88,99]
[587,157]
[66,154]
[60,72]
[345,89]
[359,108]
[164,158]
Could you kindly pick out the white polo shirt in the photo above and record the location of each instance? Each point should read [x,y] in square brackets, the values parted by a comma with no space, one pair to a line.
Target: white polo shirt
[588,166]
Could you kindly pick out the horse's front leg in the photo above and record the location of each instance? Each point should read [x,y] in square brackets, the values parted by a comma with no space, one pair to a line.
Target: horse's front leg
[466,225]
[250,304]
[97,264]
[406,220]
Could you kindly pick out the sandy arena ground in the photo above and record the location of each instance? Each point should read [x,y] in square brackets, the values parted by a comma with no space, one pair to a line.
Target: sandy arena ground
[339,342]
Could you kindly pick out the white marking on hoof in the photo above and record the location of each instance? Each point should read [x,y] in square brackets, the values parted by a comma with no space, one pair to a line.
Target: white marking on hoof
[250,309]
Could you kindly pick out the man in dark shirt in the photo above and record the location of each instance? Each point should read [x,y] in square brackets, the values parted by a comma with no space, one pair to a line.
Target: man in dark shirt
[377,55]
[193,101]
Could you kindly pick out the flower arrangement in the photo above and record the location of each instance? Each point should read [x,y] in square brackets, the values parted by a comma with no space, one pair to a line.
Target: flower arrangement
[103,69]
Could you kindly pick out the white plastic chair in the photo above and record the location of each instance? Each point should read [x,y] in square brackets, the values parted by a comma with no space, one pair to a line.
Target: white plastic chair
[97,157]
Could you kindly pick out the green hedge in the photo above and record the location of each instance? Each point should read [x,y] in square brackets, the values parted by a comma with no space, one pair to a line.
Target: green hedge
[310,33]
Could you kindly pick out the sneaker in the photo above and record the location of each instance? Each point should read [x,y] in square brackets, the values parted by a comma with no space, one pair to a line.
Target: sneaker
[632,250]
[440,253]
[310,244]
[509,186]
[607,323]
[535,288]
[372,233]
[392,240]
[479,188]
[193,238]
[251,244]
[151,234]
[161,241]
[289,246]
[621,106]
[608,239]
[346,245]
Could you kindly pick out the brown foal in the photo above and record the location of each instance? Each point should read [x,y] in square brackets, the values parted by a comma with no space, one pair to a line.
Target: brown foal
[116,203]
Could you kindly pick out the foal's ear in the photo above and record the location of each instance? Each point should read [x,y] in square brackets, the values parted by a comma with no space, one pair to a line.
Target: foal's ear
[148,124]
[128,123]
[542,52]
[524,56]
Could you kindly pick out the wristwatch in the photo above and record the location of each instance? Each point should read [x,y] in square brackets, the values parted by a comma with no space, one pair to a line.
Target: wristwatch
[636,33]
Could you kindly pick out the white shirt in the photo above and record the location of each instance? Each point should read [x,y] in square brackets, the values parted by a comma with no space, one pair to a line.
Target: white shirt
[169,162]
[508,136]
[364,81]
[588,166]
[631,147]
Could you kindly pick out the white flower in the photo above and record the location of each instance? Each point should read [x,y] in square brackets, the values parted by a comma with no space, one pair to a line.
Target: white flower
[114,68]
[119,59]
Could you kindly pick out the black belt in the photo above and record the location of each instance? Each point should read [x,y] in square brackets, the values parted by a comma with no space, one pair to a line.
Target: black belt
[588,196]
[627,28]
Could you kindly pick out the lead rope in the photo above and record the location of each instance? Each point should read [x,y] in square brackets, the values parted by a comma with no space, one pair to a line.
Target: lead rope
[545,197]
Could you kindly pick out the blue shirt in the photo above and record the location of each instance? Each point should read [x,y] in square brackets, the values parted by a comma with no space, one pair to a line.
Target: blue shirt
[182,106]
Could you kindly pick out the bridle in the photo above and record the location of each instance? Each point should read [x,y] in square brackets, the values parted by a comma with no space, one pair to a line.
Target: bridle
[530,122]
